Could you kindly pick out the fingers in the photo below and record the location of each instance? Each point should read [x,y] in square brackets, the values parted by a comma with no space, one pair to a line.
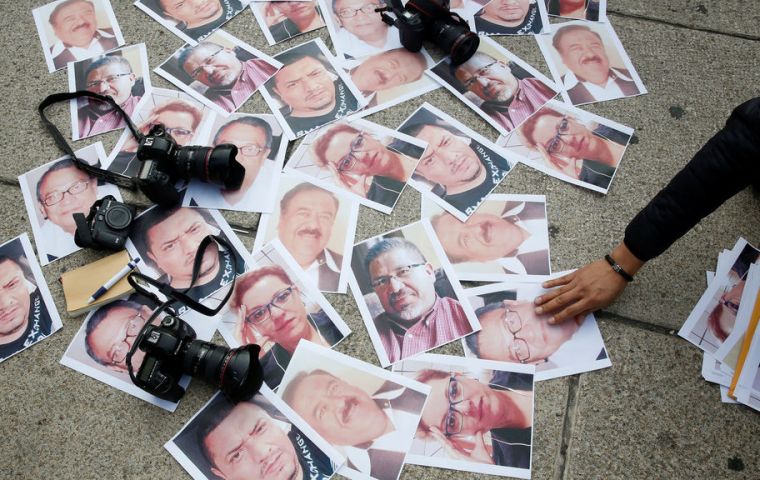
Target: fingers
[576,310]
[561,301]
[563,280]
[548,296]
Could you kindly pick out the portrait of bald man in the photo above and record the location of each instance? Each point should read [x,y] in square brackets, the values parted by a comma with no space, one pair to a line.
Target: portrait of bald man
[25,316]
[74,30]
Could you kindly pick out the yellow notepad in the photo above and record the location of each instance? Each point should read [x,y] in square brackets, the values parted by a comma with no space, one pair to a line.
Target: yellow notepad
[748,335]
[79,284]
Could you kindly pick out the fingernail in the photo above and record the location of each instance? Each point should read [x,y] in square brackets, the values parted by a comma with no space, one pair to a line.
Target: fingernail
[537,300]
[552,320]
[539,310]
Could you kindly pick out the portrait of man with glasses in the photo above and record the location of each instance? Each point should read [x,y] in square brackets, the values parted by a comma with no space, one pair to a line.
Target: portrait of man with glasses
[56,191]
[258,139]
[27,313]
[272,311]
[118,74]
[475,420]
[224,74]
[413,306]
[358,30]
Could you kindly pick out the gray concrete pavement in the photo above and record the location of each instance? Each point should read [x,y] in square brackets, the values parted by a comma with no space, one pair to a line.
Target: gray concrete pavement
[650,415]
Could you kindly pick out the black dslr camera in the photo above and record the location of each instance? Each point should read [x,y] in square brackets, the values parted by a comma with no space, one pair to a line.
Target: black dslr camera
[164,163]
[432,20]
[171,350]
[106,226]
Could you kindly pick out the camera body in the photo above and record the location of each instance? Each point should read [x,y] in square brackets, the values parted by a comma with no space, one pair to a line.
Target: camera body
[171,350]
[432,20]
[106,226]
[164,163]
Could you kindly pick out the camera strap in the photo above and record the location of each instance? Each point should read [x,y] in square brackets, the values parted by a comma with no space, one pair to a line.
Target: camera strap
[110,177]
[181,296]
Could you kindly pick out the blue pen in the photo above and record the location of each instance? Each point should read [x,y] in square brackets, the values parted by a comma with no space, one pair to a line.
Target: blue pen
[122,273]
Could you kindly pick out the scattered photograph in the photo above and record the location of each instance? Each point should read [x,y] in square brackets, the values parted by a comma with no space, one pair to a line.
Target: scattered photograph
[592,10]
[407,293]
[280,21]
[368,414]
[28,314]
[571,144]
[467,10]
[192,21]
[513,332]
[261,438]
[261,150]
[512,17]
[727,355]
[497,85]
[357,30]
[274,305]
[748,387]
[220,71]
[310,90]
[506,239]
[123,74]
[478,417]
[99,348]
[182,115]
[459,167]
[57,190]
[367,161]
[72,30]
[391,77]
[316,226]
[167,240]
[590,63]
[714,316]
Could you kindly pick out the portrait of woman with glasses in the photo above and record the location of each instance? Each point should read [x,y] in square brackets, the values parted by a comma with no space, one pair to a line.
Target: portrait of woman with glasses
[485,419]
[364,162]
[574,147]
[273,312]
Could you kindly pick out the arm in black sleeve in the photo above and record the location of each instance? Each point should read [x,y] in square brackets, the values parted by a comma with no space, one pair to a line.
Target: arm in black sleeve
[728,163]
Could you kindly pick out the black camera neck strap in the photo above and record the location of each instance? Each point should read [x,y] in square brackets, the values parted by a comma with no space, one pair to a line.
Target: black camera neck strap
[111,177]
[181,296]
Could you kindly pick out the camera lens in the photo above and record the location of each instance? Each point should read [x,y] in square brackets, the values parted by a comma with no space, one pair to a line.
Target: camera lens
[118,217]
[456,39]
[236,372]
[211,165]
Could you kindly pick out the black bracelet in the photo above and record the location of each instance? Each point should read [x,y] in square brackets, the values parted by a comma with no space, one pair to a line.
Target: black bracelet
[618,269]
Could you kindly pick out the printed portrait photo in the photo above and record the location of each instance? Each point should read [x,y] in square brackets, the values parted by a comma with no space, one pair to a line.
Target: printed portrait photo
[72,30]
[280,21]
[590,63]
[274,305]
[310,91]
[369,162]
[512,17]
[261,438]
[368,414]
[191,20]
[54,192]
[182,116]
[99,348]
[167,240]
[391,77]
[122,74]
[571,144]
[459,167]
[407,294]
[714,316]
[357,30]
[316,226]
[496,85]
[27,312]
[592,10]
[261,151]
[508,237]
[513,332]
[220,71]
[478,417]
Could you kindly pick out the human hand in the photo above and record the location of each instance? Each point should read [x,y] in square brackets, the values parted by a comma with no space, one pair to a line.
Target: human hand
[478,454]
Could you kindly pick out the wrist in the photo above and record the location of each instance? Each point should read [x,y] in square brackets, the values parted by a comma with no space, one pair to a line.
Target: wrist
[627,260]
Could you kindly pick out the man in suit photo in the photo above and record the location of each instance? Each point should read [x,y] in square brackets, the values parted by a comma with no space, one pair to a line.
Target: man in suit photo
[76,28]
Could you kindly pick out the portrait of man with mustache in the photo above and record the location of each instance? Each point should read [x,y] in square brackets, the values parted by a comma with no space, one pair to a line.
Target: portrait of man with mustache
[590,78]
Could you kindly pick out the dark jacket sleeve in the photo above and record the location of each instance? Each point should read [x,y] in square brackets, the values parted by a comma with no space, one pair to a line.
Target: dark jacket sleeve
[728,163]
